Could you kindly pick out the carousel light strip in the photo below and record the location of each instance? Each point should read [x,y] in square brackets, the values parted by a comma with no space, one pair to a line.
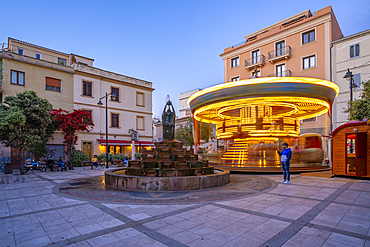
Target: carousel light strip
[319,102]
[306,80]
[290,105]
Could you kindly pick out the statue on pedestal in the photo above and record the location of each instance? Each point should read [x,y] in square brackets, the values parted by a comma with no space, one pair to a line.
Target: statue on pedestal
[168,121]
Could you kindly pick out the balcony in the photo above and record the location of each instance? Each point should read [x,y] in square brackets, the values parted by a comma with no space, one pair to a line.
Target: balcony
[279,54]
[285,73]
[253,62]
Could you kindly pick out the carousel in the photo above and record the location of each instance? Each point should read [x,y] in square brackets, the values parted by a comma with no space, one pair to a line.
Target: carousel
[254,117]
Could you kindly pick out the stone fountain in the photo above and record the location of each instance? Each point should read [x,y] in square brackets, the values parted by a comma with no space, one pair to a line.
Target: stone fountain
[167,167]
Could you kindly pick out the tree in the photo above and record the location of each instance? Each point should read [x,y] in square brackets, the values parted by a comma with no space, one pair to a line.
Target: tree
[71,123]
[23,120]
[184,133]
[359,109]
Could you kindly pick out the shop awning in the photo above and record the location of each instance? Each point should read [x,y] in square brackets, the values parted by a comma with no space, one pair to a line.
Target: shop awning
[125,143]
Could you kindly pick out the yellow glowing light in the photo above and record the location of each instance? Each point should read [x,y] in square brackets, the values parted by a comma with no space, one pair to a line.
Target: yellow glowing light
[249,139]
[268,103]
[307,107]
[308,80]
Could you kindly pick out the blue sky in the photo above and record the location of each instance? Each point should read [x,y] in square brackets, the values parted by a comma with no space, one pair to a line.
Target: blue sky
[175,44]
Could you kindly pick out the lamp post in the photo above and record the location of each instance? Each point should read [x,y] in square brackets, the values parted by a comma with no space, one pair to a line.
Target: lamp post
[113,97]
[349,77]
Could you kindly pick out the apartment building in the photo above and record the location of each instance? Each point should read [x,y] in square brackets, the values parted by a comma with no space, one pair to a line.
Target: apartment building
[25,66]
[298,46]
[70,81]
[349,53]
[131,109]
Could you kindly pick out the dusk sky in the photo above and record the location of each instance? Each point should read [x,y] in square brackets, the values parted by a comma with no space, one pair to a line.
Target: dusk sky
[174,44]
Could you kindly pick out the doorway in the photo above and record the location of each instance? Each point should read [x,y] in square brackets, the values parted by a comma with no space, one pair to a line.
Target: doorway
[356,154]
[87,148]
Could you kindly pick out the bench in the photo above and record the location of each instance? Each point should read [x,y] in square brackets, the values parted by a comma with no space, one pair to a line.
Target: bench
[89,163]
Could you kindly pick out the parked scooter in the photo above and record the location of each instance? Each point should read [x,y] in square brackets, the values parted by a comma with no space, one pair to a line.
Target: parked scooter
[34,166]
[69,165]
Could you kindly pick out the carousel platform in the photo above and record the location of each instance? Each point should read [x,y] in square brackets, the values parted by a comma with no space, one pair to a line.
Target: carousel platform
[294,168]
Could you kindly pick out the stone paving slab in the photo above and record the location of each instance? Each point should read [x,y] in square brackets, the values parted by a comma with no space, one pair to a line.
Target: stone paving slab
[253,210]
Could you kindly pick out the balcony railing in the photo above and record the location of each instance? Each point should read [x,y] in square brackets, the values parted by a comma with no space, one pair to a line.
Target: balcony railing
[258,61]
[282,74]
[279,54]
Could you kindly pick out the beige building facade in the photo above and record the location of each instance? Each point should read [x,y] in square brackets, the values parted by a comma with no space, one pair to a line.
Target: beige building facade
[298,46]
[353,53]
[70,81]
[25,66]
[132,110]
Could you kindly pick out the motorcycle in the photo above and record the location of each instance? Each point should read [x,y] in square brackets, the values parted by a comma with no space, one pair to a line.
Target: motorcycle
[69,165]
[34,166]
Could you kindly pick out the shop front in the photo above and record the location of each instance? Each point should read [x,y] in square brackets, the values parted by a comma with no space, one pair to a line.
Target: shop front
[124,146]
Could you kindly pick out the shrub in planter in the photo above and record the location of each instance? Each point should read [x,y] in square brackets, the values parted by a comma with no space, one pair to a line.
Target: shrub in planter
[79,156]
[137,156]
[119,156]
[104,156]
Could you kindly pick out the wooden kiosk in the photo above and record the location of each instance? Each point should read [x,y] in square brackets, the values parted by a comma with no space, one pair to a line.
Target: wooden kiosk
[351,149]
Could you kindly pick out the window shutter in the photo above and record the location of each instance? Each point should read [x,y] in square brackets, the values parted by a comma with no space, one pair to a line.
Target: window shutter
[53,82]
[357,79]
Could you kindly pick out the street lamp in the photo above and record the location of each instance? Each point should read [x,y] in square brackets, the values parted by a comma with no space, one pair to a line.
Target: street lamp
[349,77]
[113,97]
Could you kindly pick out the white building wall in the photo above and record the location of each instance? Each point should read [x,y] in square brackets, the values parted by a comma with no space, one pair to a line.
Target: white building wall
[341,61]
[126,107]
[184,109]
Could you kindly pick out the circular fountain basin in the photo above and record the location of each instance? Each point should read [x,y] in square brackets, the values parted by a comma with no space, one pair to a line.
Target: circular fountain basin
[117,179]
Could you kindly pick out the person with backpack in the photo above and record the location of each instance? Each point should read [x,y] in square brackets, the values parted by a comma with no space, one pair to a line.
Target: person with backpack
[285,157]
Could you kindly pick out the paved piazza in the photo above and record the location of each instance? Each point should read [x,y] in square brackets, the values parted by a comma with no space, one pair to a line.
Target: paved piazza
[74,209]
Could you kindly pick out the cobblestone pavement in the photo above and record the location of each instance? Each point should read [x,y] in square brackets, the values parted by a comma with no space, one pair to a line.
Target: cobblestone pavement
[74,209]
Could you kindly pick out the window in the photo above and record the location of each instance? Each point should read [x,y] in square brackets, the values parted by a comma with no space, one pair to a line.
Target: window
[114,120]
[140,99]
[115,90]
[354,51]
[140,123]
[256,57]
[37,55]
[235,78]
[88,121]
[17,77]
[235,62]
[20,51]
[312,119]
[62,61]
[308,37]
[309,62]
[87,88]
[53,84]
[258,73]
[280,70]
[280,48]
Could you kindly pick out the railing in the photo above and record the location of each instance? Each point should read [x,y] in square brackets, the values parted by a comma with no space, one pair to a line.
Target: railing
[282,74]
[279,52]
[239,44]
[255,60]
